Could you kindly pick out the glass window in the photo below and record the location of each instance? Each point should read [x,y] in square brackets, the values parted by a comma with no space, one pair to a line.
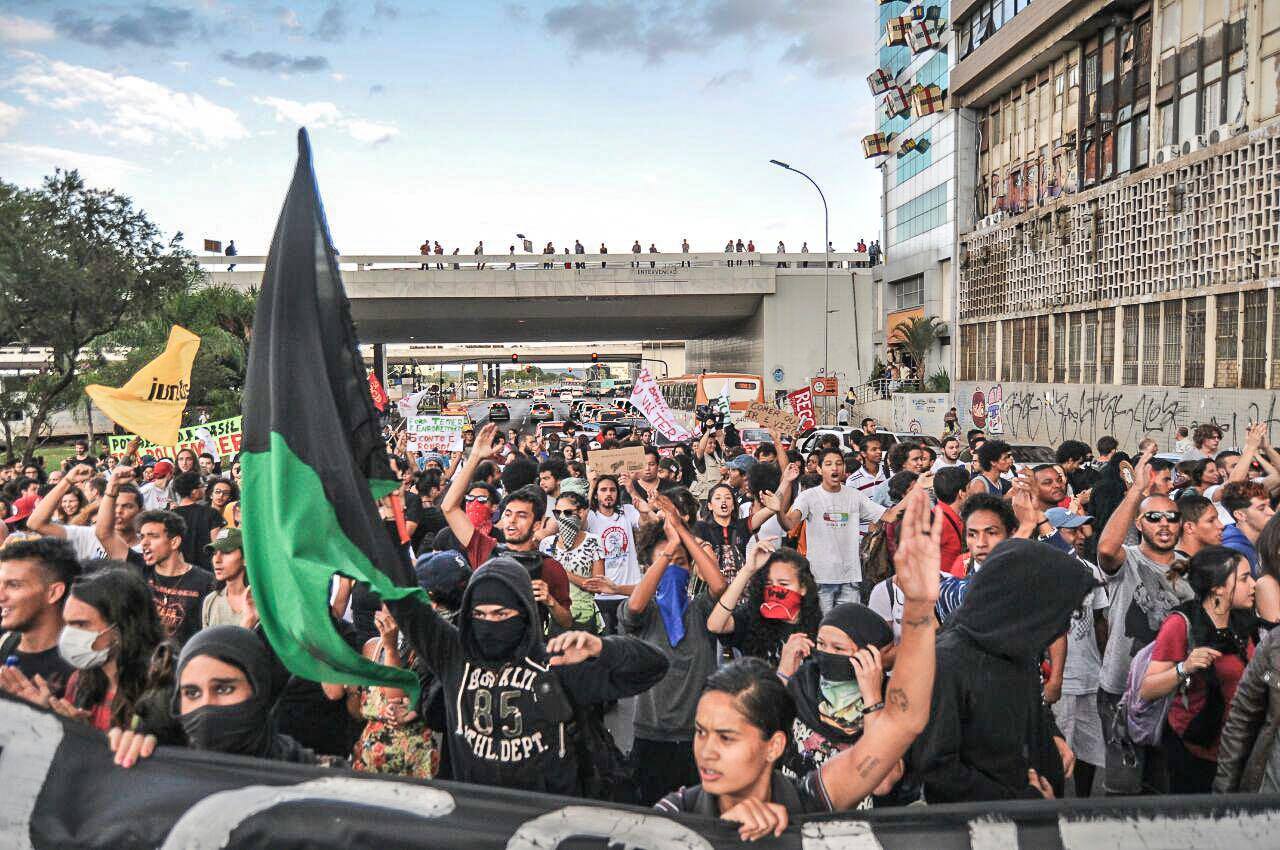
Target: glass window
[1042,349]
[1172,343]
[1130,330]
[1141,139]
[1150,343]
[1089,374]
[1227,344]
[1073,348]
[1194,337]
[1060,348]
[1253,365]
[1107,336]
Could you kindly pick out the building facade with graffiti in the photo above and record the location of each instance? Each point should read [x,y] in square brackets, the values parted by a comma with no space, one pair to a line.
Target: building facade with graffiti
[1120,277]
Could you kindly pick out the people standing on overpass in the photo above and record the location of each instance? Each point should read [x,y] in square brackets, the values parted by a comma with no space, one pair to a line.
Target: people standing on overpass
[479,250]
[231,252]
[439,251]
[831,250]
[456,266]
[782,249]
[684,249]
[512,252]
[635,249]
[425,250]
[579,249]
[751,249]
[652,250]
[804,249]
[739,248]
[603,252]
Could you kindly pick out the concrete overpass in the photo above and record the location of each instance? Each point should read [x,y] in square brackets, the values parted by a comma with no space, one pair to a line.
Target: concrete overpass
[423,354]
[760,313]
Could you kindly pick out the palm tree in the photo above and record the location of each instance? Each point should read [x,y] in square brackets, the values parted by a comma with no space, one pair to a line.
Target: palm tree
[918,335]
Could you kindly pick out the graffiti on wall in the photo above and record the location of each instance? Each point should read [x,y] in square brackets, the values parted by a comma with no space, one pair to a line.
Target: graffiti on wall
[1045,414]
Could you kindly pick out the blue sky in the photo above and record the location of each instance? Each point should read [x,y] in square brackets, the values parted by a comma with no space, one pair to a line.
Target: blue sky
[599,120]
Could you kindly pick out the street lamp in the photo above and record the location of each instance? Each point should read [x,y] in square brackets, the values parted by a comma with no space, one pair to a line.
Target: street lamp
[826,265]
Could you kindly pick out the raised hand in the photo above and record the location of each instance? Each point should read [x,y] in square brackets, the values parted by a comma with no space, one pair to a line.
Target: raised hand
[918,559]
[573,648]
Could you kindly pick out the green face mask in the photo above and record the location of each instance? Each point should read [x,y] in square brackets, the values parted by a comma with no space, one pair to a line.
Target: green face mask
[841,700]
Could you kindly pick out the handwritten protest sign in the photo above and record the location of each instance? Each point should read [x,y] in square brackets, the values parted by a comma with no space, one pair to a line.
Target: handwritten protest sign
[615,461]
[647,398]
[801,402]
[220,439]
[768,416]
[436,433]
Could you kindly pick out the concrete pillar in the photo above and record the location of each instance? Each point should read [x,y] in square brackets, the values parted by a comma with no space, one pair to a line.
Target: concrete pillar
[380,362]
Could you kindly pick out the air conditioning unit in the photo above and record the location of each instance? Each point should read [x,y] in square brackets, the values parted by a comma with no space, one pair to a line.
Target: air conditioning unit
[996,217]
[1222,133]
[1194,144]
[1168,153]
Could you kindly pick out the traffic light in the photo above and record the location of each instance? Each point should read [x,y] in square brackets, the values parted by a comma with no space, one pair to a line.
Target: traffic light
[515,358]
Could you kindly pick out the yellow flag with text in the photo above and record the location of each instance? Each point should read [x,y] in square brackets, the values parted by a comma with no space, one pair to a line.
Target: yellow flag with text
[150,404]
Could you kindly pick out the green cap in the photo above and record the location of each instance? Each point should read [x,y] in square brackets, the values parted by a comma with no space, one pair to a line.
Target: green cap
[228,542]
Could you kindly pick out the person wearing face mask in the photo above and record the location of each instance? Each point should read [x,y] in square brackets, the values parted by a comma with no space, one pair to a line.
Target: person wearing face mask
[582,556]
[663,613]
[222,701]
[770,609]
[510,698]
[110,632]
[839,689]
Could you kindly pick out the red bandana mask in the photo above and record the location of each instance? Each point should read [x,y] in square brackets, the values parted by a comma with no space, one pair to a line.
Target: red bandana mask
[780,603]
[480,515]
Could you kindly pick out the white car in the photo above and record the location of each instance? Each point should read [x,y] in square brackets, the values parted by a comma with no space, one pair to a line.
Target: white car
[566,397]
[539,395]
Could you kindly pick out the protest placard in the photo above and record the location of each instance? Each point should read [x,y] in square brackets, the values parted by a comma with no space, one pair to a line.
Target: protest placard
[647,398]
[801,402]
[435,433]
[615,461]
[768,416]
[220,439]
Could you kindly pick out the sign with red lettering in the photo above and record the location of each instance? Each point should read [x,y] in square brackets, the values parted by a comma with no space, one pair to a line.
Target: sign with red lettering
[648,400]
[801,402]
[220,439]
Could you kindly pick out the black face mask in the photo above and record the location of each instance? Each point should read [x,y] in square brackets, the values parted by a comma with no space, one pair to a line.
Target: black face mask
[499,640]
[835,668]
[531,560]
[235,729]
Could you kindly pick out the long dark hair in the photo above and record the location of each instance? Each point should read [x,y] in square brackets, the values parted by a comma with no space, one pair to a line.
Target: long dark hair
[758,694]
[1268,547]
[1210,568]
[121,596]
[765,637]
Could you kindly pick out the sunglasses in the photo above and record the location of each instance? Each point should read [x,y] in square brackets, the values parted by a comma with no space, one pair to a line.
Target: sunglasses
[1156,516]
[568,512]
[484,500]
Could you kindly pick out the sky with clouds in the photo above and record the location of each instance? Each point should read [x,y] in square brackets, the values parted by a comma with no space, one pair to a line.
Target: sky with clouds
[609,120]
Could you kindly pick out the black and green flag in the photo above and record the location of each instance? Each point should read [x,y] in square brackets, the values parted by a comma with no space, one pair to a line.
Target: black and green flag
[313,457]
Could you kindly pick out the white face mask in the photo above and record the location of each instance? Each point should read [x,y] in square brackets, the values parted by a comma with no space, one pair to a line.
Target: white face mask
[76,648]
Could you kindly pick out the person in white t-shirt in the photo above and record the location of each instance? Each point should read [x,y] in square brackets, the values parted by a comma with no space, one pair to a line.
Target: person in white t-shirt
[833,513]
[615,525]
[950,454]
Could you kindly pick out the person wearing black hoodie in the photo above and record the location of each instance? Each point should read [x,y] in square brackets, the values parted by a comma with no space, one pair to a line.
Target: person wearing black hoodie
[222,700]
[990,736]
[510,698]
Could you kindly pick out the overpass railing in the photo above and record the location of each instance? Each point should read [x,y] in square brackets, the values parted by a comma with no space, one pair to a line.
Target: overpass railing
[667,263]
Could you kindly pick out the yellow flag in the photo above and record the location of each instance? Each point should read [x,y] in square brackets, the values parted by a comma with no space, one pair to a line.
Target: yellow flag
[151,403]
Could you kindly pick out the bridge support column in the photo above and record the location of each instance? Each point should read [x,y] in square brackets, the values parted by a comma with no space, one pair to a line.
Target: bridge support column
[380,362]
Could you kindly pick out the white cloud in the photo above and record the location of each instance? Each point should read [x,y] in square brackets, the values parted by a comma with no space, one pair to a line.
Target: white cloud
[323,113]
[225,83]
[9,116]
[128,109]
[181,65]
[337,78]
[39,160]
[15,29]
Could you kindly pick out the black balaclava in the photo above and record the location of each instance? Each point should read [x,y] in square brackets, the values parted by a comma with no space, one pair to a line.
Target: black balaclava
[499,581]
[242,729]
[863,626]
[1022,599]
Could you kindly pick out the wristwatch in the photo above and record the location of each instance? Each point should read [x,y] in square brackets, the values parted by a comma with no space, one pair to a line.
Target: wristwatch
[1181,670]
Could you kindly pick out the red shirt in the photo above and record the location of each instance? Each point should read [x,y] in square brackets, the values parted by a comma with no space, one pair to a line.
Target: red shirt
[952,546]
[1171,645]
[481,549]
[100,714]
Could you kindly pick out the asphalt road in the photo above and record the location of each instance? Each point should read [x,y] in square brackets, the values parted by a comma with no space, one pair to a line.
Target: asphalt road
[519,413]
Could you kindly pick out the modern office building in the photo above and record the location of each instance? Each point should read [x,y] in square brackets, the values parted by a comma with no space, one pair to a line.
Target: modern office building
[1119,238]
[915,149]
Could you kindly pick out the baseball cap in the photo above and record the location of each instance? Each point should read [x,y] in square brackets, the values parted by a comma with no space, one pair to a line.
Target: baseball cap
[440,572]
[228,542]
[1063,518]
[742,463]
[22,509]
[670,464]
[163,468]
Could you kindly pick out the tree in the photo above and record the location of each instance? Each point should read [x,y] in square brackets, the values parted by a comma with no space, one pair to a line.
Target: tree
[918,335]
[77,263]
[222,316]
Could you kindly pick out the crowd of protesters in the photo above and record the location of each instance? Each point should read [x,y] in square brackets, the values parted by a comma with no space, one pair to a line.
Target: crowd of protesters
[748,635]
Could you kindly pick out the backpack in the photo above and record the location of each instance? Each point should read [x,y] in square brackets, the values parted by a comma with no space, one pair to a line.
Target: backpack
[877,564]
[1144,719]
[604,773]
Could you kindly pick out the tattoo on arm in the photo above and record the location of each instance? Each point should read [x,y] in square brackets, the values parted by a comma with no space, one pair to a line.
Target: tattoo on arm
[926,620]
[897,698]
[867,765]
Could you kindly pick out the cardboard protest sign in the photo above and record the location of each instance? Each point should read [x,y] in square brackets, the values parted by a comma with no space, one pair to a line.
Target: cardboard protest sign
[768,416]
[436,433]
[615,461]
[220,439]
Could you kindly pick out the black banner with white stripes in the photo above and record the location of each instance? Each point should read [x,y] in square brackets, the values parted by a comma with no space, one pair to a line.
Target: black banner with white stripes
[61,790]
